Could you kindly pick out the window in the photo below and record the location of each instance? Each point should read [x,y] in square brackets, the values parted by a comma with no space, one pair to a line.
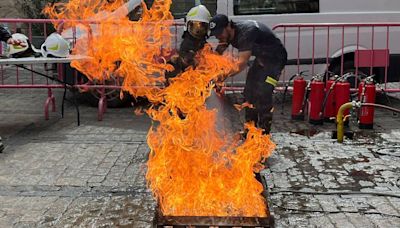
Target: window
[248,7]
[179,8]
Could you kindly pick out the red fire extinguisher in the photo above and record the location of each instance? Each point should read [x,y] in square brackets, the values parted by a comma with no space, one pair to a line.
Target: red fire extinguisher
[366,94]
[299,91]
[342,95]
[329,107]
[316,100]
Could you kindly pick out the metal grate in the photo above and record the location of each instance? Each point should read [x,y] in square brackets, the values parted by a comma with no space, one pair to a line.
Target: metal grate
[220,222]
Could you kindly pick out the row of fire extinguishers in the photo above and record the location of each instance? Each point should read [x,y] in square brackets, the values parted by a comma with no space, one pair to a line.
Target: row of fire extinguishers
[321,100]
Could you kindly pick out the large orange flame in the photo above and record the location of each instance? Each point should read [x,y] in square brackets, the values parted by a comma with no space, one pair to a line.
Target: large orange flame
[193,168]
[117,46]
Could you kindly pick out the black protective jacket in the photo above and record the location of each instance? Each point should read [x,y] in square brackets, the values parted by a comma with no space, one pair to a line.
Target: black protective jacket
[4,34]
[187,51]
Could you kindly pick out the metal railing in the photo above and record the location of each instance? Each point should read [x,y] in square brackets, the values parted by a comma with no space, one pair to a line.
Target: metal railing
[370,48]
[49,75]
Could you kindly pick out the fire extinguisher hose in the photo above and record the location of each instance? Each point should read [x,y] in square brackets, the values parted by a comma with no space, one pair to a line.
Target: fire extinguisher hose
[287,86]
[326,97]
[381,106]
[345,76]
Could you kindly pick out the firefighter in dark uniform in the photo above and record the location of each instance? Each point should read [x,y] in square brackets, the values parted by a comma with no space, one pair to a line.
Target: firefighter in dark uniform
[5,36]
[253,39]
[193,40]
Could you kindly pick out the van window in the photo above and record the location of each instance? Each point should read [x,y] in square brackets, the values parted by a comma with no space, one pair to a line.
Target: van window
[179,8]
[247,7]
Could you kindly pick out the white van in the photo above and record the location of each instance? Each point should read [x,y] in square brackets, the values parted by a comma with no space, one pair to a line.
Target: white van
[274,12]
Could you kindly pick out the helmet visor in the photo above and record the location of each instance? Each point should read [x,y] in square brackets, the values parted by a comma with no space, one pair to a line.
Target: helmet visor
[198,29]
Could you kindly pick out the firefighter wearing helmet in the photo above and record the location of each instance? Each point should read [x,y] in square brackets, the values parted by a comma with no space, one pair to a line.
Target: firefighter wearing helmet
[194,37]
[197,20]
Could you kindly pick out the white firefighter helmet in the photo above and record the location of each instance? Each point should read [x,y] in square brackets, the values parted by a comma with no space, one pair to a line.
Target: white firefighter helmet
[56,46]
[19,51]
[14,49]
[197,20]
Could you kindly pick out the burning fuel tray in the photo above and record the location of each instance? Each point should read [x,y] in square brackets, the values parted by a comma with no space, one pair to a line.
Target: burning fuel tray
[161,221]
[225,222]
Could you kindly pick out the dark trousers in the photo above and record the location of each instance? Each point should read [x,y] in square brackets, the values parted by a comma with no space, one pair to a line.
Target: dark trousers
[259,93]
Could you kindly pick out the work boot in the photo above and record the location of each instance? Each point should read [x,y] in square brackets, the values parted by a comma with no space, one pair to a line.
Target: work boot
[181,115]
[1,146]
[243,134]
[259,178]
[266,121]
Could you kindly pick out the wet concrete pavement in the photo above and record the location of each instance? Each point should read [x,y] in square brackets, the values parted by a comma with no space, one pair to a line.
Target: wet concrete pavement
[316,182]
[326,184]
[54,173]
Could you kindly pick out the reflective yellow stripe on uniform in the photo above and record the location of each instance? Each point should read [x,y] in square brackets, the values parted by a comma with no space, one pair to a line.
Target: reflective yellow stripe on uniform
[271,81]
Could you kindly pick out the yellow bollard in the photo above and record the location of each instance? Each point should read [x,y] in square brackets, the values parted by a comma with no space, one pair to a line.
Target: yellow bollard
[340,121]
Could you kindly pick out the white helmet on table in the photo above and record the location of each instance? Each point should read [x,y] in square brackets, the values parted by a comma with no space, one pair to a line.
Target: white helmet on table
[55,46]
[19,51]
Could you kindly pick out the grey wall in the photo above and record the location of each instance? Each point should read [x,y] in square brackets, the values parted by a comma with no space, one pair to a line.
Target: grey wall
[10,9]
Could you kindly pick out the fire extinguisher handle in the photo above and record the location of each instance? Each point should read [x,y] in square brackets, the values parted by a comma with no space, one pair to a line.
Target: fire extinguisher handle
[302,72]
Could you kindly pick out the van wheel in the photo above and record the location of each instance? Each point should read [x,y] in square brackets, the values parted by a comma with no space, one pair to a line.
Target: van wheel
[112,95]
[348,67]
[113,99]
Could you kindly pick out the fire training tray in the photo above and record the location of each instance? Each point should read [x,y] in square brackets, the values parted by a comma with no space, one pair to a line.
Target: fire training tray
[161,221]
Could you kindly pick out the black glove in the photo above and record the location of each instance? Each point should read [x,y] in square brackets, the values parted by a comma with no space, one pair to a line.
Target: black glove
[221,48]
